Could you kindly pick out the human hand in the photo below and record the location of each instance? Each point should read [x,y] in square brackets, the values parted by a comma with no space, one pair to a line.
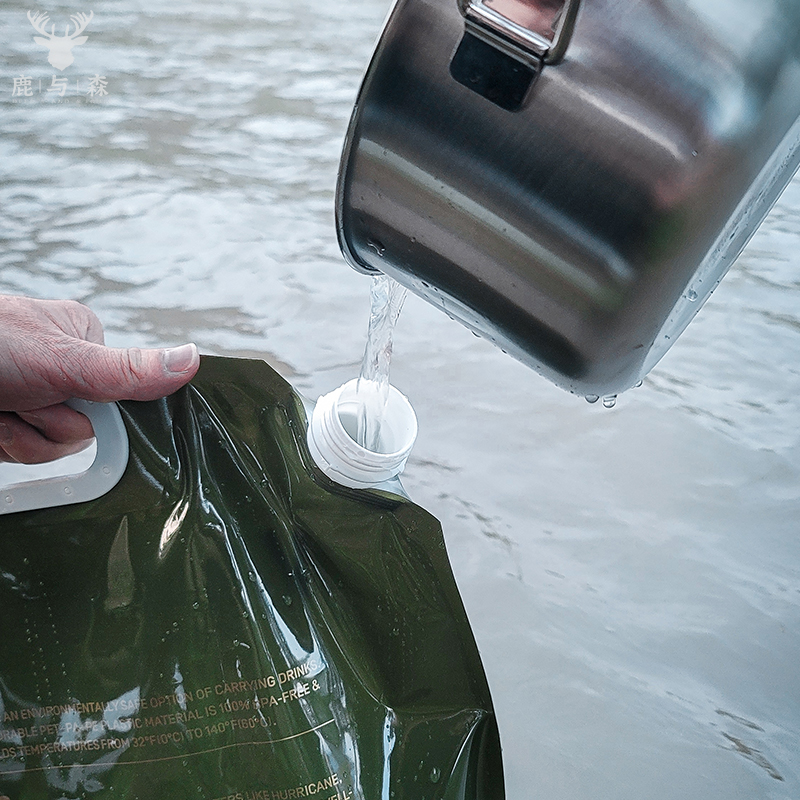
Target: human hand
[52,350]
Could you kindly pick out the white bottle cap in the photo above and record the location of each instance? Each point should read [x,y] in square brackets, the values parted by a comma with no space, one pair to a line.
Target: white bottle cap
[332,443]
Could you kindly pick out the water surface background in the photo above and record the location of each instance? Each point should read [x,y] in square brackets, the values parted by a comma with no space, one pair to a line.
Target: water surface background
[632,575]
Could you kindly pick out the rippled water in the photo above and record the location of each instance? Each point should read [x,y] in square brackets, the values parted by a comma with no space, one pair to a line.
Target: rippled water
[632,575]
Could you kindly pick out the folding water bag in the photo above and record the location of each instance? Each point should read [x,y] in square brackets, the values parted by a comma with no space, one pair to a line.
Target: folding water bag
[229,624]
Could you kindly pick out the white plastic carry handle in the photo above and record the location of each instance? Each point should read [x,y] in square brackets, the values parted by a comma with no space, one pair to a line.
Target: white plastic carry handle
[102,476]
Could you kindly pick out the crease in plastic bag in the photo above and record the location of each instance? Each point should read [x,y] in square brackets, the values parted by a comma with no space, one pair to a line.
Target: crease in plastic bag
[227,624]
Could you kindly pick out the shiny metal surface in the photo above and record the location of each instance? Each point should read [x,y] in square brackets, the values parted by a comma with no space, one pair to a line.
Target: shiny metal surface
[582,232]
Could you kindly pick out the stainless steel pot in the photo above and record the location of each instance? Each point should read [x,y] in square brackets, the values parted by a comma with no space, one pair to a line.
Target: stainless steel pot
[571,179]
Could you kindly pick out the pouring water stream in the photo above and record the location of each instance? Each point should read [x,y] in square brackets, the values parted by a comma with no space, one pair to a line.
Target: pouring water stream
[386,301]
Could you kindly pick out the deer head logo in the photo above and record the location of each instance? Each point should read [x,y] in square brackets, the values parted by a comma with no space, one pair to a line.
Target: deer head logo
[60,47]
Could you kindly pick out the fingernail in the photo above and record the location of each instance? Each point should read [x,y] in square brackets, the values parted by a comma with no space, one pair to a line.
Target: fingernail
[179,359]
[6,437]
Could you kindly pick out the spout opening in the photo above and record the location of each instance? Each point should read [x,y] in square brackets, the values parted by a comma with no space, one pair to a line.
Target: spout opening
[332,438]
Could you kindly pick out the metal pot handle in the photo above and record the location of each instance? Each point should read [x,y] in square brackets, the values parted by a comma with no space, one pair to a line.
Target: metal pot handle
[541,28]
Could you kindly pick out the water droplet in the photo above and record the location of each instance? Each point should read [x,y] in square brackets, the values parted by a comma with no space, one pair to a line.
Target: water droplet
[251,575]
[592,398]
[637,384]
[175,624]
[9,498]
[106,470]
[195,605]
[610,401]
[235,642]
[67,490]
[694,153]
[376,246]
[692,295]
[436,773]
[287,599]
[26,560]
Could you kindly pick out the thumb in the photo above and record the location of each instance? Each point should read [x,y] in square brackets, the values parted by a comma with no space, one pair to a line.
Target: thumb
[104,374]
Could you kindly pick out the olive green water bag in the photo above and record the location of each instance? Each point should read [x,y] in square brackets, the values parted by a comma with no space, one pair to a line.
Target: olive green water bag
[229,624]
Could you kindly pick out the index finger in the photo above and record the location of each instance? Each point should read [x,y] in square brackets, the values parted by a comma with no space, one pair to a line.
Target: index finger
[59,423]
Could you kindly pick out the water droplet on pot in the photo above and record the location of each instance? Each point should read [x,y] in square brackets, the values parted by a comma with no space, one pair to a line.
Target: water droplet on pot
[592,398]
[610,401]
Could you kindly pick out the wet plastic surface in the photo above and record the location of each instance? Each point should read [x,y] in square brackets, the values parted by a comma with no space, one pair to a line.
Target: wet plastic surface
[227,623]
